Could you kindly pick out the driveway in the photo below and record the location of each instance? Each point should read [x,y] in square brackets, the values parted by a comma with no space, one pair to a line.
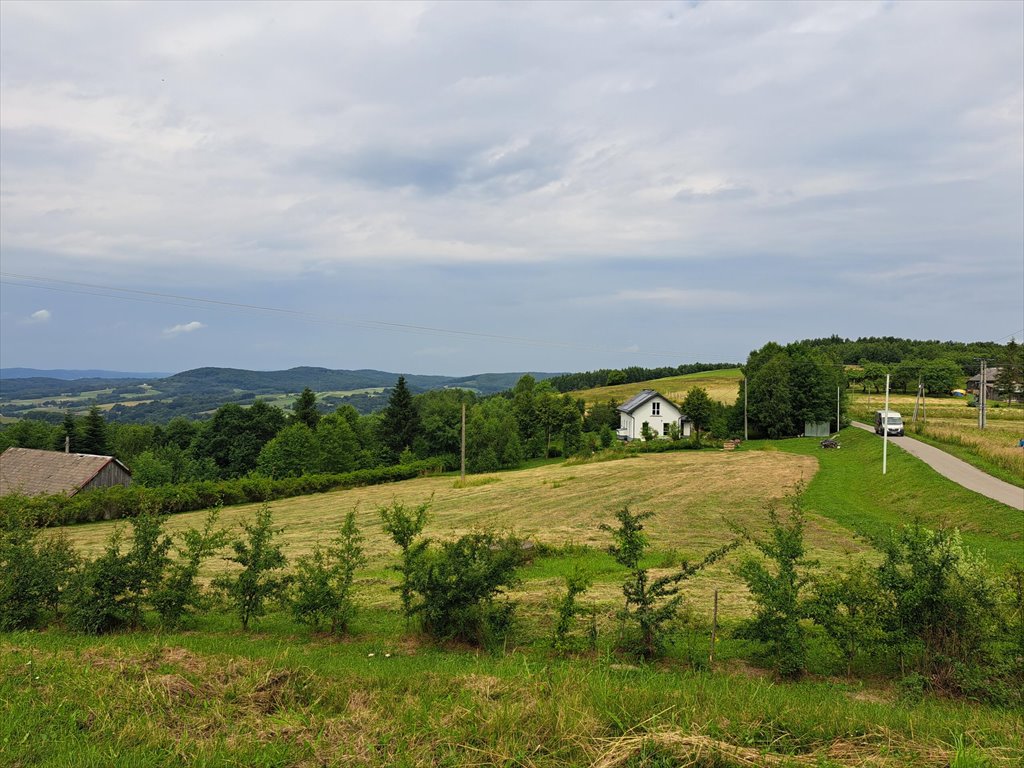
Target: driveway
[958,471]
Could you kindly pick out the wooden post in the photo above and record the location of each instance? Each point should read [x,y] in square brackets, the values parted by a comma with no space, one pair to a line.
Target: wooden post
[714,631]
[462,472]
[745,408]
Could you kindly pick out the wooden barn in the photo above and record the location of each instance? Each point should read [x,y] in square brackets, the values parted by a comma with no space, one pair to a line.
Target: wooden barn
[32,473]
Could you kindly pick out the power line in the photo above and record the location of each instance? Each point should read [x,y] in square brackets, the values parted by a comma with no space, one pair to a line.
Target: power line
[159,297]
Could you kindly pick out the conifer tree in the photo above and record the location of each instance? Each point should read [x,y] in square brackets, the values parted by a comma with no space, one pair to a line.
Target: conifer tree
[94,433]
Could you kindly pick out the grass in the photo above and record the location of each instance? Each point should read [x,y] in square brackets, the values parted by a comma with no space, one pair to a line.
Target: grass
[281,696]
[851,490]
[721,385]
[217,697]
[952,426]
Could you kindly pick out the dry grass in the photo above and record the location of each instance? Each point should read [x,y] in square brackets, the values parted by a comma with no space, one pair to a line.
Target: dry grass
[694,496]
[721,385]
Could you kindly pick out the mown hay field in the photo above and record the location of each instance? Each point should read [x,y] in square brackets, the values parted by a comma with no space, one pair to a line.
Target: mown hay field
[721,385]
[695,496]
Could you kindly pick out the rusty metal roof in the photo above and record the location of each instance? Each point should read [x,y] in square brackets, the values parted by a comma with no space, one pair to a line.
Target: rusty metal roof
[31,472]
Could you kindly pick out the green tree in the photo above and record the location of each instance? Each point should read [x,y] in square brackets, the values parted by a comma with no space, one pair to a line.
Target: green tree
[260,558]
[1010,380]
[304,409]
[697,406]
[940,376]
[68,435]
[94,433]
[770,405]
[400,422]
[336,445]
[291,454]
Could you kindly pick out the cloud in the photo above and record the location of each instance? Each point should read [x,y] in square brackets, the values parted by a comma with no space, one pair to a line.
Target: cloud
[175,330]
[39,316]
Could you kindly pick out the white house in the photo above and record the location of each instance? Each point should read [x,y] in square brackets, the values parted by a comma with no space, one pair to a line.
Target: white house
[657,411]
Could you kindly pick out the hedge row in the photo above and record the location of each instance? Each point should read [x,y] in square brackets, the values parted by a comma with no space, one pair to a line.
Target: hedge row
[119,502]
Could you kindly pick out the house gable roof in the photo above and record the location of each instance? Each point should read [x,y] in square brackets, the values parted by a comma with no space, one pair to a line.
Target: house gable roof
[637,400]
[32,472]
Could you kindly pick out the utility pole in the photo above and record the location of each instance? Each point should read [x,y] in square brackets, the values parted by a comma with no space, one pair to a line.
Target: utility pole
[984,394]
[462,472]
[885,426]
[837,410]
[745,408]
[917,399]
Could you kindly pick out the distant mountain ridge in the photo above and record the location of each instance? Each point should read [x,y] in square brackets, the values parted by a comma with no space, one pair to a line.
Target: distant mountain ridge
[68,374]
[198,392]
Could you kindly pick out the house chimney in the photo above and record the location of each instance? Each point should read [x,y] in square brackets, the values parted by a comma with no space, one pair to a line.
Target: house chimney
[67,443]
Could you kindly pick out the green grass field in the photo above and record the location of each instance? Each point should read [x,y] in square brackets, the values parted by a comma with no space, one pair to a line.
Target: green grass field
[278,696]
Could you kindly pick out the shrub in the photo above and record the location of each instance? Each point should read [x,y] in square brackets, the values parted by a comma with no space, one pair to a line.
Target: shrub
[28,578]
[403,526]
[260,557]
[651,606]
[576,583]
[943,609]
[848,606]
[459,582]
[323,582]
[178,594]
[779,606]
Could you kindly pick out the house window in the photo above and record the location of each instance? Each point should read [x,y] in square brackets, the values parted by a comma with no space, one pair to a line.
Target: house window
[655,409]
[664,429]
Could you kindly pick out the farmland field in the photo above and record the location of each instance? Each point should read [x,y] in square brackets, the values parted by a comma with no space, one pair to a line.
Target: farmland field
[279,695]
[721,385]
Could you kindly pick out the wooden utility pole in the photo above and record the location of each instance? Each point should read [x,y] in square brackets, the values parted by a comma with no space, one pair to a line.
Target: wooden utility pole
[462,472]
[745,408]
[983,394]
[917,400]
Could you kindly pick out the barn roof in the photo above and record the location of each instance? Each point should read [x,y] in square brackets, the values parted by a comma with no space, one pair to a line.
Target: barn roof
[31,472]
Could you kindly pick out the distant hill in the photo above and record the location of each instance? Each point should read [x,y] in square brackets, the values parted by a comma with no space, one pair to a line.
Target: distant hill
[69,374]
[196,393]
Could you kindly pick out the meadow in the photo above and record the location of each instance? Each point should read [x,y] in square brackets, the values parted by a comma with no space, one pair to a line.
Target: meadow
[721,385]
[278,695]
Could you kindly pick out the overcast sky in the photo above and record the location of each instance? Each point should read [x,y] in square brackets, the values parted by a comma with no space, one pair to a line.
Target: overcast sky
[511,186]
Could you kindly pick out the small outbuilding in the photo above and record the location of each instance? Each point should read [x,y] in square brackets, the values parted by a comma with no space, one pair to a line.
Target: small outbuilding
[32,472]
[657,411]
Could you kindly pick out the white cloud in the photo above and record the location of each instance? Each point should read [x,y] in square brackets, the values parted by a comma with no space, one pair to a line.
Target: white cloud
[175,330]
[41,316]
[681,298]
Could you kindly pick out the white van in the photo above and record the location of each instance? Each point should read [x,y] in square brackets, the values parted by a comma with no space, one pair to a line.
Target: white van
[893,423]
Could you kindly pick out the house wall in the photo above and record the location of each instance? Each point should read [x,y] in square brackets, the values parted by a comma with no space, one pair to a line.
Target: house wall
[112,474]
[632,425]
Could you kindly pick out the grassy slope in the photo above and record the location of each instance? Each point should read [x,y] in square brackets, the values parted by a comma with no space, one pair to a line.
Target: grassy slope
[279,697]
[721,385]
[852,491]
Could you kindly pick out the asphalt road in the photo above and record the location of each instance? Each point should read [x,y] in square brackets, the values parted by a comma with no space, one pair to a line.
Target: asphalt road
[958,471]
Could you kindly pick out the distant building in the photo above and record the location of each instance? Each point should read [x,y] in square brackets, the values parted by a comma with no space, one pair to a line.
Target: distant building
[33,473]
[974,383]
[657,411]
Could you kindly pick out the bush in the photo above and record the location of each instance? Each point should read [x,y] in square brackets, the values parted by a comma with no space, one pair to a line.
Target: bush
[323,582]
[33,575]
[459,582]
[260,557]
[118,502]
[651,606]
[178,594]
[779,606]
[576,583]
[403,526]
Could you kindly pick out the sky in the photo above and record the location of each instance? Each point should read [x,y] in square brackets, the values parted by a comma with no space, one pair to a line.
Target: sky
[464,187]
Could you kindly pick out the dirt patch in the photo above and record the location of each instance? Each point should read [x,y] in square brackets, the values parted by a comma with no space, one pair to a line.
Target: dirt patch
[176,688]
